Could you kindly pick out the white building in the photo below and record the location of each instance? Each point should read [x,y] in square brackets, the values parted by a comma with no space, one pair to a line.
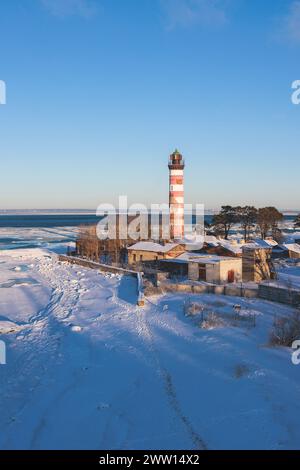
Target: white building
[211,268]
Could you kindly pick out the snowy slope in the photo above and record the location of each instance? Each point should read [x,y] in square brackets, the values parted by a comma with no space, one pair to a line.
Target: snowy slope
[87,369]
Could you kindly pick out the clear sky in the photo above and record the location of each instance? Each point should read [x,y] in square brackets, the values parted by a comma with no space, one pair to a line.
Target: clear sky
[100,92]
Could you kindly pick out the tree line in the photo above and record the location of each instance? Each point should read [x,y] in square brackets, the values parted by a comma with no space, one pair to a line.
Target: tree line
[265,221]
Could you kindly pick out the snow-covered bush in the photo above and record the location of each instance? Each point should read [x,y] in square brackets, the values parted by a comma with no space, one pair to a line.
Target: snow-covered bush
[150,289]
[212,321]
[192,308]
[285,330]
[244,317]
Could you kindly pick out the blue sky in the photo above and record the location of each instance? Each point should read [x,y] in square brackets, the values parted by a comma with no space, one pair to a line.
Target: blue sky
[100,92]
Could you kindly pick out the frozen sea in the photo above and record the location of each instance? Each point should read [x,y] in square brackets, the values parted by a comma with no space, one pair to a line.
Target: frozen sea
[55,231]
[51,231]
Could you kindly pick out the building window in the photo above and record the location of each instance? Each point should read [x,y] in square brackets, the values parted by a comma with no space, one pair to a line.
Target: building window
[134,258]
[141,257]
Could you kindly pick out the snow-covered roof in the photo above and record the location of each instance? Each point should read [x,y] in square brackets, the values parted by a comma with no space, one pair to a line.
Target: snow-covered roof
[233,247]
[154,247]
[259,243]
[236,247]
[251,246]
[279,248]
[211,240]
[189,257]
[271,242]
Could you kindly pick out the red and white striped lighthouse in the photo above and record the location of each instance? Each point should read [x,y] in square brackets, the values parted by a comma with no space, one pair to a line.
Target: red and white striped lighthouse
[176,195]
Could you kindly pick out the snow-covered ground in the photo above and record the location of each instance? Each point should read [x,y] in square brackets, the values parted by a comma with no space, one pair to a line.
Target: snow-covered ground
[88,369]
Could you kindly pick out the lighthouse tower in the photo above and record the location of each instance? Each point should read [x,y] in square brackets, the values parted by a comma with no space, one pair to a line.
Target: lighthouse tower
[176,195]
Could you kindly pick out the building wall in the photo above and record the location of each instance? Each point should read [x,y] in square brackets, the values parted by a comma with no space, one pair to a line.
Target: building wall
[217,273]
[134,256]
[294,255]
[213,273]
[193,271]
[231,265]
[256,264]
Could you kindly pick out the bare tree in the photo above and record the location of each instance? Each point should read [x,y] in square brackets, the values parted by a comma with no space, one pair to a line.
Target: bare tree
[224,221]
[88,243]
[247,217]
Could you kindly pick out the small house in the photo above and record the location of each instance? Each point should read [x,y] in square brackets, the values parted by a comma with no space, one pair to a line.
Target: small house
[142,252]
[207,268]
[215,269]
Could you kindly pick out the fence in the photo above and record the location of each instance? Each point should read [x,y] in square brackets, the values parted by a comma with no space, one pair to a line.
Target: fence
[232,290]
[279,294]
[94,265]
[141,296]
